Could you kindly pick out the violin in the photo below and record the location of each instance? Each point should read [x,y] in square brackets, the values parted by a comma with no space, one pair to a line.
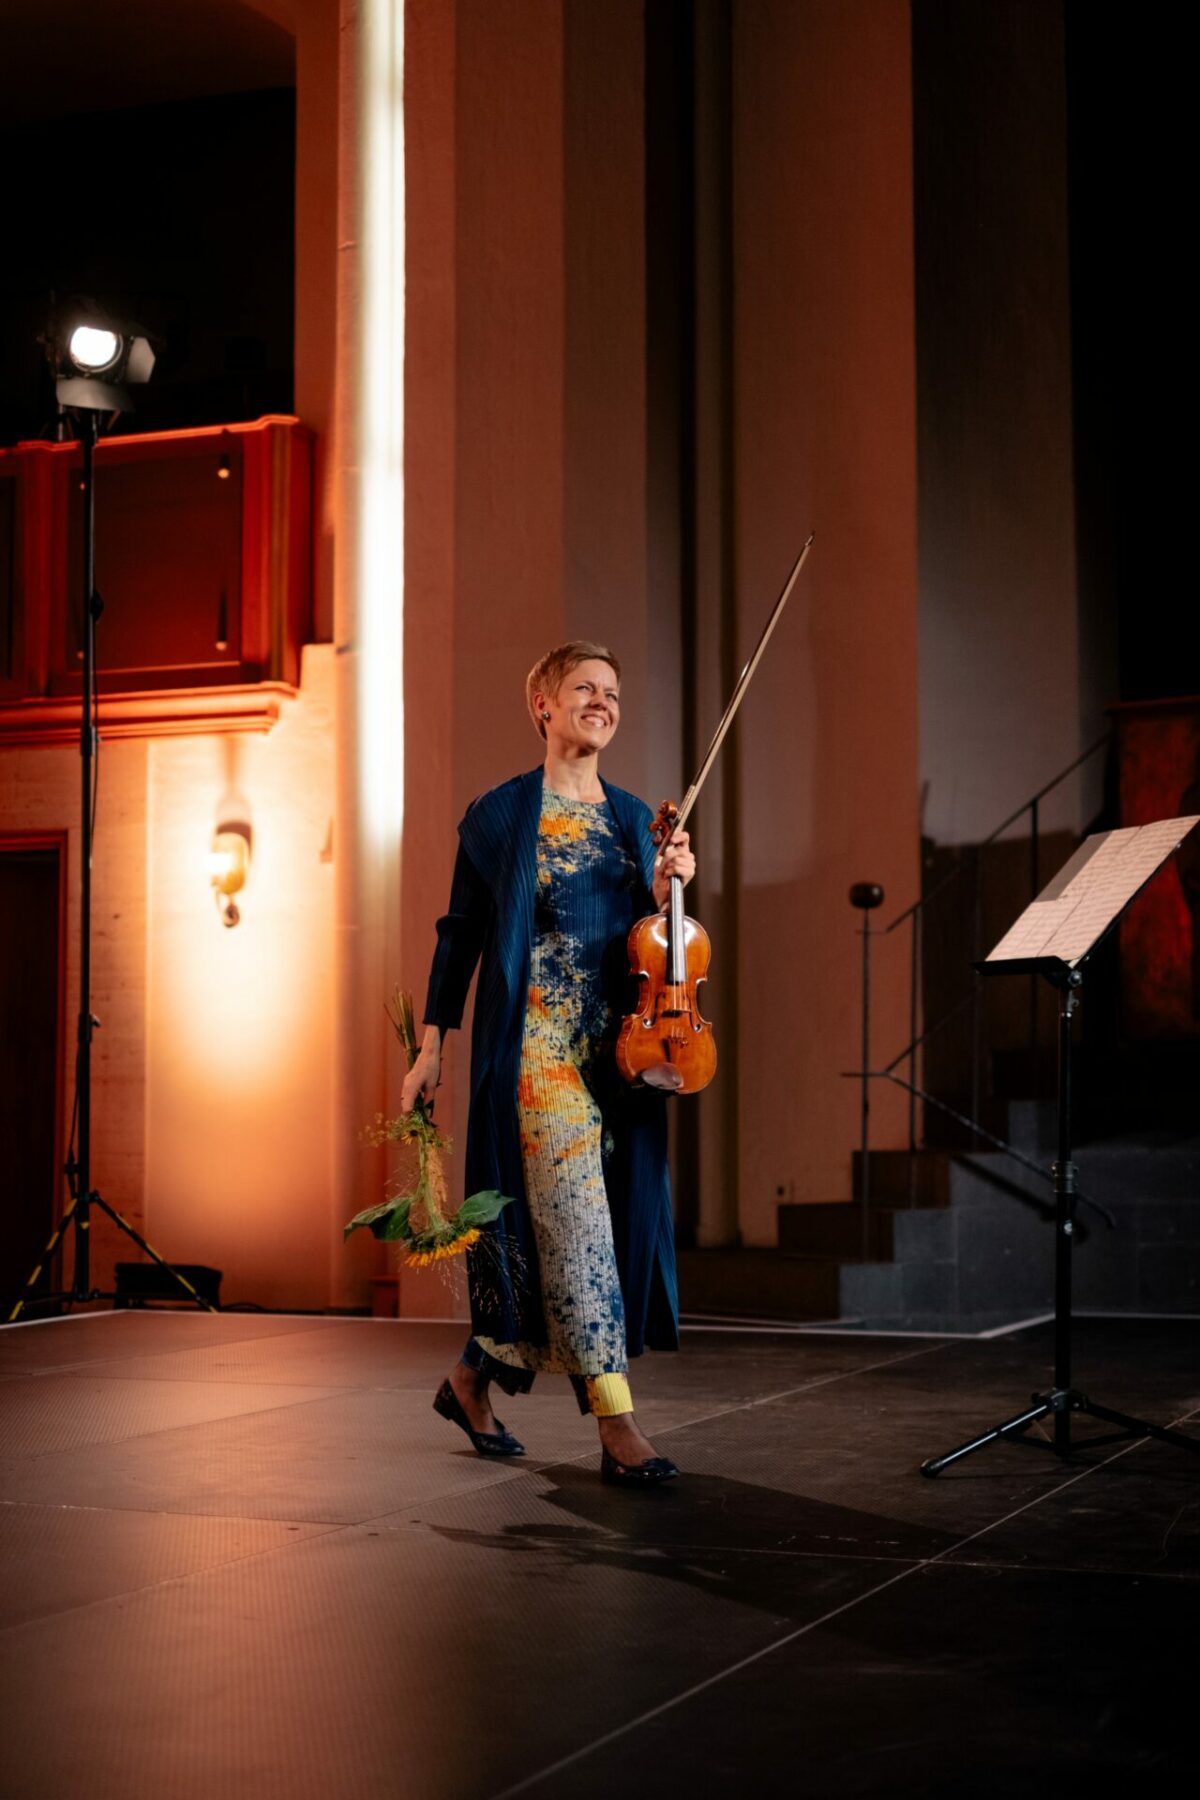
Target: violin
[666,1042]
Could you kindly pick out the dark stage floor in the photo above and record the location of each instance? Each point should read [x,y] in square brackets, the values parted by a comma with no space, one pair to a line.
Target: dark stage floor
[244,1558]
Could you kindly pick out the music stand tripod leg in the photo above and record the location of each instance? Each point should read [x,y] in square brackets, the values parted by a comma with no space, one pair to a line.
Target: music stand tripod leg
[1132,1427]
[1062,1400]
[1012,1428]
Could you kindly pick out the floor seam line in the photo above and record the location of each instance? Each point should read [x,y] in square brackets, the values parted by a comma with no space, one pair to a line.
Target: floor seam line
[265,1337]
[165,1512]
[618,1542]
[791,1637]
[568,1462]
[167,1581]
[138,1437]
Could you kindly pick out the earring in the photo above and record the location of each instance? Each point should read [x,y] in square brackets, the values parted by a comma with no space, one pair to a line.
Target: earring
[545,715]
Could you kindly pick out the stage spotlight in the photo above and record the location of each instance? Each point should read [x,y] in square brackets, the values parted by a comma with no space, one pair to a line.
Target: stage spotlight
[91,355]
[96,358]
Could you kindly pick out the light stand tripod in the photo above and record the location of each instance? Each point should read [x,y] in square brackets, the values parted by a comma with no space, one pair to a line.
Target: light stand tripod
[1062,1400]
[84,1198]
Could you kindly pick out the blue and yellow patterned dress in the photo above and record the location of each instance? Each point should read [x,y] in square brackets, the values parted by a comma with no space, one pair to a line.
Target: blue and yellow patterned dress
[584,906]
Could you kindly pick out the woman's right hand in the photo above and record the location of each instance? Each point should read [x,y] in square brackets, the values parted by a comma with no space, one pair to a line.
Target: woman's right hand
[422,1080]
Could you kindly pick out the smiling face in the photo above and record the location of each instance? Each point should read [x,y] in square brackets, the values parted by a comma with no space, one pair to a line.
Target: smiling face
[586,710]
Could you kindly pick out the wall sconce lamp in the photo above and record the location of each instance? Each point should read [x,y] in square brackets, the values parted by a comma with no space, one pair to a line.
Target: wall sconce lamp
[228,866]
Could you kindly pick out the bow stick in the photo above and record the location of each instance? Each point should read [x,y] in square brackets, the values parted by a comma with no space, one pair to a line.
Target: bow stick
[735,699]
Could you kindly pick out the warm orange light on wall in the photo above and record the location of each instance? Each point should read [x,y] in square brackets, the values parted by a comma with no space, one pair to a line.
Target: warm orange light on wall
[228,866]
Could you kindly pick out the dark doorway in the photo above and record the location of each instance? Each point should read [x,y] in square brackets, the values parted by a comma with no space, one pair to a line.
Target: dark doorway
[30,1023]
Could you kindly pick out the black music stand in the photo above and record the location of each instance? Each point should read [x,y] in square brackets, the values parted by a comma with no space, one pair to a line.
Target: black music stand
[1053,938]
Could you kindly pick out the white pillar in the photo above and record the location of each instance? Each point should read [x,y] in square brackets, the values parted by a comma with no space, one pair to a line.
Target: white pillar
[368,603]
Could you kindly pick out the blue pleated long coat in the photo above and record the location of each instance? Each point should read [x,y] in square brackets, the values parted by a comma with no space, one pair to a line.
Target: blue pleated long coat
[490,923]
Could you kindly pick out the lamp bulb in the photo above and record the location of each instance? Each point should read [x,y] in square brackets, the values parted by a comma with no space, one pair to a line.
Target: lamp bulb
[94,348]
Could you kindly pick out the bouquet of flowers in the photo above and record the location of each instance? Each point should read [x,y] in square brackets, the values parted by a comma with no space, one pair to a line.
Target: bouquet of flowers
[417,1220]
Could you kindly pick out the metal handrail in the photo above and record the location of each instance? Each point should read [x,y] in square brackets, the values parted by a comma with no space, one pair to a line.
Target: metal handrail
[914,915]
[1033,802]
[1039,1169]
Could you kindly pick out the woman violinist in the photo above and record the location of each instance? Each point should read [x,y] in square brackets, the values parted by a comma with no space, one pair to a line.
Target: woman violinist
[577,1275]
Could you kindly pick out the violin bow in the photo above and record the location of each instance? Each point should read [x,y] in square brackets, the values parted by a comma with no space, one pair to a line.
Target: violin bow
[735,699]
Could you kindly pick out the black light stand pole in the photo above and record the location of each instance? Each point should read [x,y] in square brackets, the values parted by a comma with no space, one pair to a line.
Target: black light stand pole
[79,1168]
[866,896]
[864,1173]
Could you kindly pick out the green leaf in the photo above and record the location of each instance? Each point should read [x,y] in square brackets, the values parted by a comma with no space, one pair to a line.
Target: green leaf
[386,1221]
[396,1228]
[481,1208]
[367,1217]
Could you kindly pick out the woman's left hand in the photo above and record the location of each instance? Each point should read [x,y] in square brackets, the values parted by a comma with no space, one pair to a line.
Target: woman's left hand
[677,860]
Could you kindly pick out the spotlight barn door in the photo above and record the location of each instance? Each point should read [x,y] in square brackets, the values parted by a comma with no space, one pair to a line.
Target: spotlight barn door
[31,968]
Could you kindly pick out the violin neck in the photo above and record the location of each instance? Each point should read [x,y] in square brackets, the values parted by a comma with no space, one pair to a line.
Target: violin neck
[676,944]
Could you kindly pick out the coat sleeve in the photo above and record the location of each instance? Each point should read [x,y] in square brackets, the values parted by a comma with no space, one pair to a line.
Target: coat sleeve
[460,933]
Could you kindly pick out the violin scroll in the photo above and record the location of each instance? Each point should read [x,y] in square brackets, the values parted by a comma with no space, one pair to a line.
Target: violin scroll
[664,823]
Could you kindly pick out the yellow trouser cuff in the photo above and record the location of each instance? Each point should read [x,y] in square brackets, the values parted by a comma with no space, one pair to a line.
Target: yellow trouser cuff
[608,1395]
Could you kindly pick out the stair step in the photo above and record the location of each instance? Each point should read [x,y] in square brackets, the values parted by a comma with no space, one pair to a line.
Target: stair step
[835,1228]
[1020,1074]
[965,1241]
[904,1177]
[1031,1126]
[764,1284]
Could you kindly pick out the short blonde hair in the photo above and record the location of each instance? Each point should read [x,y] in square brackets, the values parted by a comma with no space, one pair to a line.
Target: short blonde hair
[550,671]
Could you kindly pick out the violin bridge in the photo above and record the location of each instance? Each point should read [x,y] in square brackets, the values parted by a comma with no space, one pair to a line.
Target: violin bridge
[673,1002]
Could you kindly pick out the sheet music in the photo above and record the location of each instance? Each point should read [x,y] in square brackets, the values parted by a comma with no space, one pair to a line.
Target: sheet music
[1093,888]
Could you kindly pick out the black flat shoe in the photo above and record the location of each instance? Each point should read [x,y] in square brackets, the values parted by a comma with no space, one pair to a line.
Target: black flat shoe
[643,1474]
[500,1443]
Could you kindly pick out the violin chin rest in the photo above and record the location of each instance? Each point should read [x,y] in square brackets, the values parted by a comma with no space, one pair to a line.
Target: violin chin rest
[663,1075]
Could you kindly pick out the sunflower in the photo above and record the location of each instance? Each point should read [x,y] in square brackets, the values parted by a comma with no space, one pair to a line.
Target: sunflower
[417,1220]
